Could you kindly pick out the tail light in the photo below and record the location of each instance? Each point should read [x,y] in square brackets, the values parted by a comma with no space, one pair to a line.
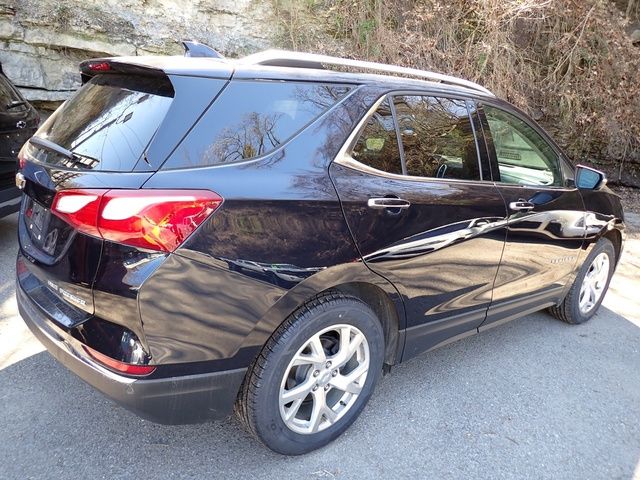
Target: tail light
[118,366]
[153,219]
[98,66]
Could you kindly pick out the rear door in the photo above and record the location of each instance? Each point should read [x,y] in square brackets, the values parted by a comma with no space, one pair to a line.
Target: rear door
[545,228]
[414,197]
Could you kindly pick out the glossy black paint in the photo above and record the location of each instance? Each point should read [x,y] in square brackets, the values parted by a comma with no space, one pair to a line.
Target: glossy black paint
[280,233]
[295,222]
[442,253]
[18,121]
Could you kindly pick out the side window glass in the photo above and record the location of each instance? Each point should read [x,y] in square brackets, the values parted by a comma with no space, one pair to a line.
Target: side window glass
[251,119]
[437,137]
[524,157]
[377,145]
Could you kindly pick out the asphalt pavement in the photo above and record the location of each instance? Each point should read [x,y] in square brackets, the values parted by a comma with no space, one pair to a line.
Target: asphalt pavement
[534,398]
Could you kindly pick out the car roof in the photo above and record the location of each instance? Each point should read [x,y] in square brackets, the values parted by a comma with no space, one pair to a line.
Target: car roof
[294,66]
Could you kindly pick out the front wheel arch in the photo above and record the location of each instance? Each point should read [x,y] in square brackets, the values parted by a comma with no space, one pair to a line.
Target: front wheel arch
[615,237]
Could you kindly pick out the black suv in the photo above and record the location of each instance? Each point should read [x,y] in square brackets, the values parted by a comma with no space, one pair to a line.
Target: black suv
[18,121]
[274,232]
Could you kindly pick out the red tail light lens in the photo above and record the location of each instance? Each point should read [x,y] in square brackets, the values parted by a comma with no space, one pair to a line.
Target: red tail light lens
[79,208]
[152,219]
[99,66]
[22,162]
[118,366]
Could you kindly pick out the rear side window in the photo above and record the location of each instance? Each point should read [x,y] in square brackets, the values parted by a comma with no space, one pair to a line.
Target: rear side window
[251,119]
[109,122]
[377,145]
[437,137]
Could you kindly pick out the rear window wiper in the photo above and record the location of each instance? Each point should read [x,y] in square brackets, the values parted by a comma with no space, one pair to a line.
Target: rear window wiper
[16,104]
[52,147]
[76,159]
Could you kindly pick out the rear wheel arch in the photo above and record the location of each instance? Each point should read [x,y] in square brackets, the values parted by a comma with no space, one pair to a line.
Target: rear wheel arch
[352,279]
[386,311]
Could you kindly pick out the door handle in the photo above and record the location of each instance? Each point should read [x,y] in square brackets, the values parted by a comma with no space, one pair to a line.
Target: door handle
[385,202]
[521,206]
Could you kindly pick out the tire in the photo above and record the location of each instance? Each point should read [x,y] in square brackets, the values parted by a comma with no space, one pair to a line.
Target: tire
[273,376]
[570,310]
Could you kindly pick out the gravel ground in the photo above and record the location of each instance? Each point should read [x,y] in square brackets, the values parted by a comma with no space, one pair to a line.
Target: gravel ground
[531,399]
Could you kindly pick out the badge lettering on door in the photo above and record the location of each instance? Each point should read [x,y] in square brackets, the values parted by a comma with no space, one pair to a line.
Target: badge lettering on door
[569,258]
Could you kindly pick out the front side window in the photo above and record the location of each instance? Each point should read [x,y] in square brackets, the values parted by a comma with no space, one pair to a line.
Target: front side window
[377,145]
[524,157]
[251,119]
[437,137]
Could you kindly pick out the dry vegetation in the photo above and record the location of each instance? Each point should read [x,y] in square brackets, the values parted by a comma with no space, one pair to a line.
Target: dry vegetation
[569,63]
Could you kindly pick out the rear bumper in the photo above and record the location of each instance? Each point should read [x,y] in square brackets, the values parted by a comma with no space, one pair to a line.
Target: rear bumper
[175,400]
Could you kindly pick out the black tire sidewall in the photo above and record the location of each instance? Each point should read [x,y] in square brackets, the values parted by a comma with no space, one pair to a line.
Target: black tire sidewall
[603,245]
[268,423]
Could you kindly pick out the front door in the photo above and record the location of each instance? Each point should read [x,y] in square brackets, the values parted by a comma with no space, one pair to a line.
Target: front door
[421,215]
[545,227]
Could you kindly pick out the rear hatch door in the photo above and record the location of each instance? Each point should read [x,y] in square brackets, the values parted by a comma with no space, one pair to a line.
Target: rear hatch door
[111,135]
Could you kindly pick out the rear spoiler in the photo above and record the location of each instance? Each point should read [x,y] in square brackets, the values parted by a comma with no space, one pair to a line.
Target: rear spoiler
[148,66]
[96,66]
[197,49]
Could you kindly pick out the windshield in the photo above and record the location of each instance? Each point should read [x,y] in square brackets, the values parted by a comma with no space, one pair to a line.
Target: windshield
[108,123]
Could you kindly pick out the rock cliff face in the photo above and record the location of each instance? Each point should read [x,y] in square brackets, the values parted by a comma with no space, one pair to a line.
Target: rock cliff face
[42,41]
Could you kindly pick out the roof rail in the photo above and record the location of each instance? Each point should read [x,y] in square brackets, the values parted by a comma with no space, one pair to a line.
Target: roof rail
[284,58]
[197,49]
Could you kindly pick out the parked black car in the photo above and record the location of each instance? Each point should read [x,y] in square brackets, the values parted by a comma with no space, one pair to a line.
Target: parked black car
[272,233]
[18,121]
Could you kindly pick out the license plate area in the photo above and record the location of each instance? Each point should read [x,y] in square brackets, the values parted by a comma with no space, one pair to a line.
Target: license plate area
[37,219]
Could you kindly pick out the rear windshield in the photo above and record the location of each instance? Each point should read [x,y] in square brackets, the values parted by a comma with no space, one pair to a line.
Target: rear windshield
[108,123]
[252,118]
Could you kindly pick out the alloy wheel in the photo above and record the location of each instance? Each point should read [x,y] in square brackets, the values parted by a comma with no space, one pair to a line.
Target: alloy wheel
[324,379]
[594,283]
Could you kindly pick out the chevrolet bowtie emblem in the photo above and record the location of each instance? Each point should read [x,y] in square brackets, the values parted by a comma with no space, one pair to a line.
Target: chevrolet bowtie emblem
[20,181]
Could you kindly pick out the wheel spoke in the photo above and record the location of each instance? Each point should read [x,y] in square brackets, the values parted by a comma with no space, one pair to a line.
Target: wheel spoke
[293,409]
[597,266]
[348,346]
[317,349]
[330,415]
[319,407]
[349,383]
[298,392]
[582,301]
[302,359]
[593,294]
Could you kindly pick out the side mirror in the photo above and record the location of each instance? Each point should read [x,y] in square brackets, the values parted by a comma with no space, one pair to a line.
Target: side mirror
[588,178]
